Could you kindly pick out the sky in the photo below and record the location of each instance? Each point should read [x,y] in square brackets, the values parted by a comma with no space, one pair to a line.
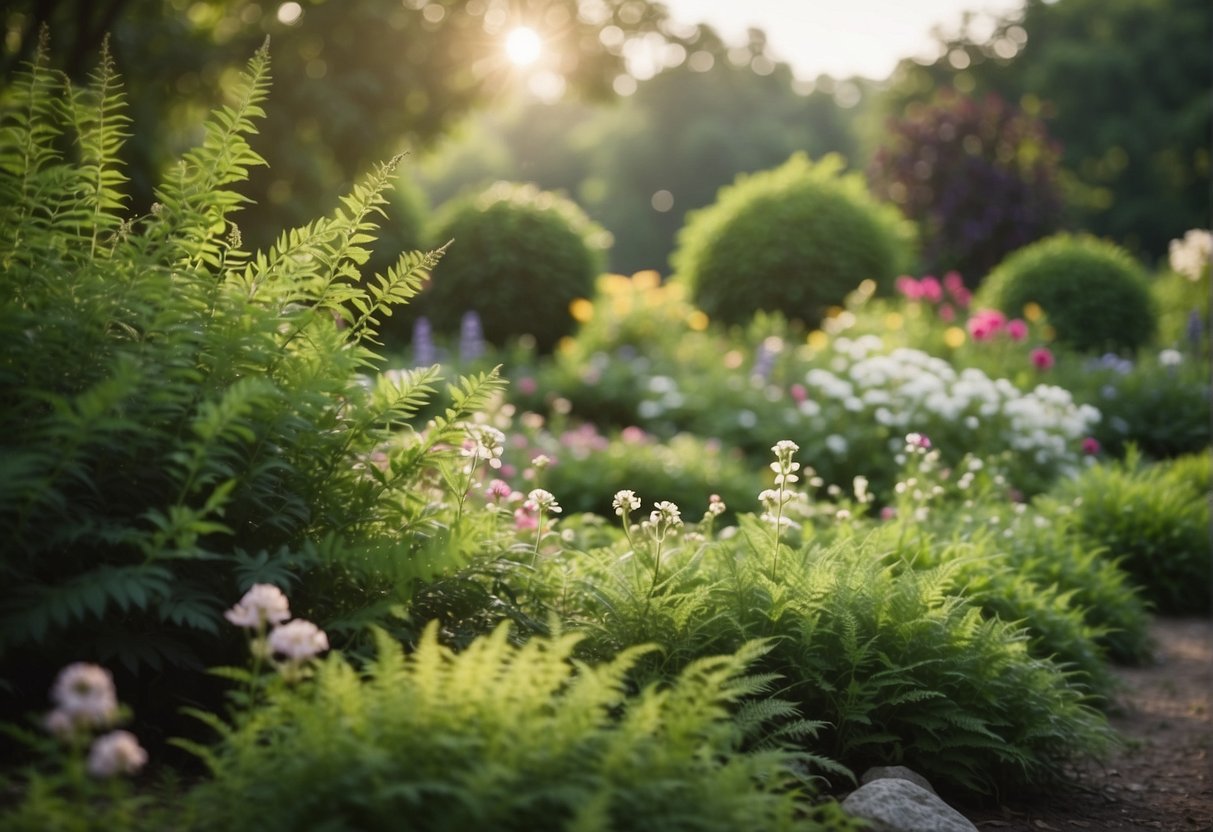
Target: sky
[837,37]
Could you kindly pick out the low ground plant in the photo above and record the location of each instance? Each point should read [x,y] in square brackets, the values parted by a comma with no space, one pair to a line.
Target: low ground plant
[1150,519]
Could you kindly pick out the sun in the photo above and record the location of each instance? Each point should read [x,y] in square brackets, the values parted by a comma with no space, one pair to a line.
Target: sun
[522,46]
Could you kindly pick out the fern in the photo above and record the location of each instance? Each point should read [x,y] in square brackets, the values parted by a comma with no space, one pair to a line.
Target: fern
[180,418]
[504,736]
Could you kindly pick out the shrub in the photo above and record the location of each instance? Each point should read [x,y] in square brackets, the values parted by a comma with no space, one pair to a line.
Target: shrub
[506,737]
[520,257]
[897,662]
[796,240]
[1151,521]
[1094,293]
[978,176]
[182,419]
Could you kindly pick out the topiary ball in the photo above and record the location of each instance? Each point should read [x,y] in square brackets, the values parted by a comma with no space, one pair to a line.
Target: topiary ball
[795,239]
[518,257]
[1094,293]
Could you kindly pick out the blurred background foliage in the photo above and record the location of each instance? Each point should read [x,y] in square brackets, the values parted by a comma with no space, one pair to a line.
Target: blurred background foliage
[1115,90]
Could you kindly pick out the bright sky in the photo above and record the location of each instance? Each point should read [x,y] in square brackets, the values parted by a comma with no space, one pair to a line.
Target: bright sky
[837,37]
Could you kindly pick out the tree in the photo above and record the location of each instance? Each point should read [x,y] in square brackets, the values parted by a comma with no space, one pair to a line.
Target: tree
[356,81]
[1122,84]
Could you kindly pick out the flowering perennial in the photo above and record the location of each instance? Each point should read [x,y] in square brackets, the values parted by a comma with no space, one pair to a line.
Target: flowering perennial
[262,604]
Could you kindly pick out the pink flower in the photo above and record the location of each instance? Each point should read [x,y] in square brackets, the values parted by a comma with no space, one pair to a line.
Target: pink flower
[1042,359]
[298,640]
[527,385]
[799,393]
[930,288]
[888,513]
[986,323]
[118,752]
[947,313]
[261,604]
[526,516]
[85,695]
[954,283]
[1090,446]
[497,491]
[633,435]
[909,287]
[1017,330]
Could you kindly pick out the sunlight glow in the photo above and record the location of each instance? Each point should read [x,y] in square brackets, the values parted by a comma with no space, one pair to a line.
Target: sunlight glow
[522,46]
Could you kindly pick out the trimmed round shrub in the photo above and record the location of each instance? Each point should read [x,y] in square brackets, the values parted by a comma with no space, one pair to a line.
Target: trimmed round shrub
[979,177]
[795,239]
[1093,291]
[518,257]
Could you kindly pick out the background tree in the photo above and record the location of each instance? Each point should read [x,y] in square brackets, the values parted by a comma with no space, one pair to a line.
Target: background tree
[356,81]
[1122,84]
[978,176]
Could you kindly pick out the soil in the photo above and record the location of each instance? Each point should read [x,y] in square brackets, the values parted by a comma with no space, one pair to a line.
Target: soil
[1163,777]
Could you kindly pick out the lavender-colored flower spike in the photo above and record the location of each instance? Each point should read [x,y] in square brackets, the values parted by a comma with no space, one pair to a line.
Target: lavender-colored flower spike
[424,353]
[471,336]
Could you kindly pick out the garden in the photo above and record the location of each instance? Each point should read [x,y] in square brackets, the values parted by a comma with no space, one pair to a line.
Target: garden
[441,521]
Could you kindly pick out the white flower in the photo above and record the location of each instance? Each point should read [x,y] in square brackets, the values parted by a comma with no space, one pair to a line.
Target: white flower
[484,442]
[262,604]
[1170,358]
[544,501]
[84,694]
[1190,256]
[298,640]
[118,752]
[625,501]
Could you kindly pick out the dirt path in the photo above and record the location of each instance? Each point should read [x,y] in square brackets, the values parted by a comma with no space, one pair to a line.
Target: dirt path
[1163,779]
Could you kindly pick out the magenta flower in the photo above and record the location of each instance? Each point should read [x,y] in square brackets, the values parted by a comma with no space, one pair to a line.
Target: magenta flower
[498,491]
[1042,358]
[946,313]
[799,393]
[1017,330]
[986,323]
[909,287]
[527,385]
[930,289]
[1090,446]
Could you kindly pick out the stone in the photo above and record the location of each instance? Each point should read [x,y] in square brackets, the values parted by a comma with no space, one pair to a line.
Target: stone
[896,805]
[896,773]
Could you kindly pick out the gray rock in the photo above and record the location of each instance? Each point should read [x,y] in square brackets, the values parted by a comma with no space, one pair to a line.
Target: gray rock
[896,773]
[895,805]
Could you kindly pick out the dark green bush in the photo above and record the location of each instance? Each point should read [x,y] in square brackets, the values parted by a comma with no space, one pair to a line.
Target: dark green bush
[520,257]
[1154,519]
[1094,293]
[180,418]
[795,239]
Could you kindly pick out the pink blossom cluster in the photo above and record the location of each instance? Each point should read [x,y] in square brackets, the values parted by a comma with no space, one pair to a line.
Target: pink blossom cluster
[947,296]
[988,324]
[84,699]
[296,641]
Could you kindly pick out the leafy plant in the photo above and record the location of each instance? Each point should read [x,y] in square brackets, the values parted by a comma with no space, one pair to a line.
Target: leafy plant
[1153,522]
[518,249]
[509,737]
[182,418]
[1093,291]
[795,239]
[898,662]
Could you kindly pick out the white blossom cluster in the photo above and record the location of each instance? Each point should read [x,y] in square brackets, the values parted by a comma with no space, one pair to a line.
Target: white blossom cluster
[909,390]
[1190,255]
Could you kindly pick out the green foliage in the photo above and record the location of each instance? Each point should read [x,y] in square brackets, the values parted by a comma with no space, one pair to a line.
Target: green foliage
[182,418]
[894,661]
[522,256]
[1152,520]
[795,239]
[1160,402]
[506,737]
[1093,291]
